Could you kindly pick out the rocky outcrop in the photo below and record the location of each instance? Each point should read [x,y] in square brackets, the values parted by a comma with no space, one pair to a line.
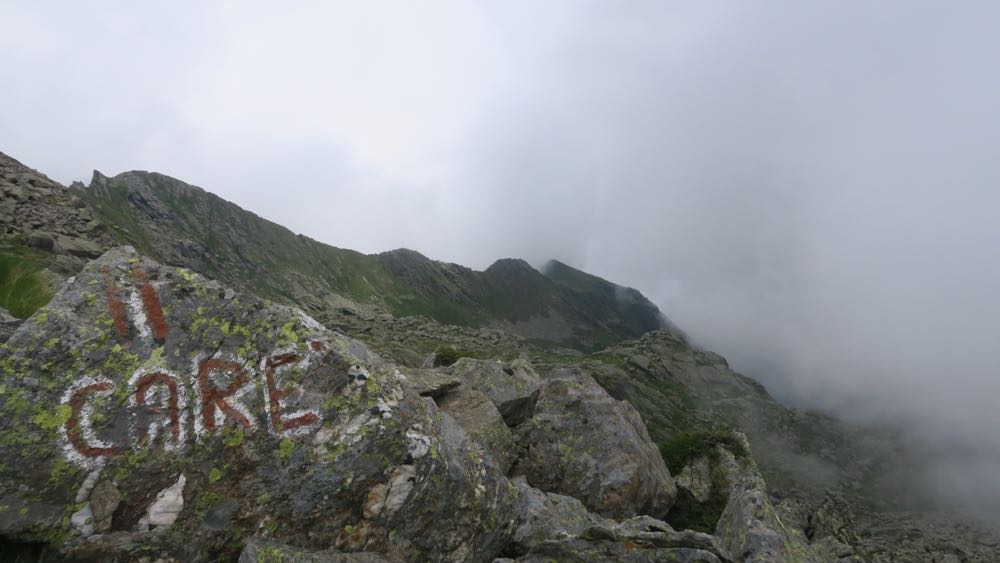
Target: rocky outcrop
[149,412]
[264,551]
[749,526]
[513,387]
[478,416]
[47,214]
[638,539]
[583,443]
[430,382]
[8,324]
[548,516]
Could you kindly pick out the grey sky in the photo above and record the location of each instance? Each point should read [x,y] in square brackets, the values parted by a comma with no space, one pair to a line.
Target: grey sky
[810,189]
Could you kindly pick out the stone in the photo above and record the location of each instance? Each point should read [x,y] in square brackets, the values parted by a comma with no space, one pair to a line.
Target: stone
[637,539]
[430,382]
[40,240]
[168,505]
[104,500]
[15,191]
[189,402]
[583,443]
[513,387]
[83,520]
[8,324]
[259,550]
[75,246]
[479,417]
[548,516]
[385,499]
[750,527]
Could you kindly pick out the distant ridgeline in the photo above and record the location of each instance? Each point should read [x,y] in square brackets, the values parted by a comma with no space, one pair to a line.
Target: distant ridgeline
[184,225]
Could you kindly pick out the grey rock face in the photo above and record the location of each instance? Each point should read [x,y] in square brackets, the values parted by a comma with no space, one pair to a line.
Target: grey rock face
[430,382]
[583,443]
[549,516]
[477,415]
[40,240]
[77,246]
[512,387]
[212,419]
[8,324]
[749,527]
[637,539]
[264,551]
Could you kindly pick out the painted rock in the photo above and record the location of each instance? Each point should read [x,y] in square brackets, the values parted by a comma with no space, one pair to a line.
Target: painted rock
[150,412]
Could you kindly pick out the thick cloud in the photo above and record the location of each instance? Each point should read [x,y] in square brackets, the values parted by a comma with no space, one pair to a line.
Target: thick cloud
[811,191]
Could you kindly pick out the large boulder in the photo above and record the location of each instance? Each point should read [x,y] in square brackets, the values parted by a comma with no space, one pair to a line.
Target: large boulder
[640,539]
[583,443]
[513,387]
[548,516]
[750,527]
[429,382]
[481,420]
[77,246]
[147,412]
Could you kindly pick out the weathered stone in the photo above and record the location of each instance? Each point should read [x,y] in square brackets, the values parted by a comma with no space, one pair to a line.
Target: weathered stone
[83,520]
[191,402]
[430,382]
[41,240]
[750,527]
[385,499]
[263,551]
[168,504]
[512,387]
[75,246]
[8,324]
[104,500]
[583,443]
[15,191]
[548,516]
[637,539]
[478,416]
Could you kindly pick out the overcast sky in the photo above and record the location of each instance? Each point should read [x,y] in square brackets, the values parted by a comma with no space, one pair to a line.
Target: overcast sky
[810,189]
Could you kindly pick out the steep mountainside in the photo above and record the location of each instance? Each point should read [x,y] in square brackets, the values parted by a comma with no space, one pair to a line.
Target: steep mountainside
[184,225]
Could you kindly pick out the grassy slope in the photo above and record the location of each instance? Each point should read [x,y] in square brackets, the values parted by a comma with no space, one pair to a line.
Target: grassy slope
[240,248]
[23,287]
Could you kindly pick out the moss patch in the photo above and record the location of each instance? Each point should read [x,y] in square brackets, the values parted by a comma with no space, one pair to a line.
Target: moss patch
[684,448]
[23,289]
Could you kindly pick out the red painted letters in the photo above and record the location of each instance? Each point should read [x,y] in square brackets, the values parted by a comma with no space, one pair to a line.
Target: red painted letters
[275,395]
[172,410]
[75,431]
[213,397]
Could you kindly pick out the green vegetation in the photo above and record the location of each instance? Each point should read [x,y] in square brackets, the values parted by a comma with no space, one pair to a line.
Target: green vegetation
[684,448]
[446,355]
[23,288]
[688,513]
[285,448]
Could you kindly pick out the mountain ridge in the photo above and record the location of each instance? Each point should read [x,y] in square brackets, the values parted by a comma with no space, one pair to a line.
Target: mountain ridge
[176,222]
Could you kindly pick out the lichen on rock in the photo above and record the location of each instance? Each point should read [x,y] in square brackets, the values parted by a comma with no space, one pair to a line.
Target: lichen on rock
[142,373]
